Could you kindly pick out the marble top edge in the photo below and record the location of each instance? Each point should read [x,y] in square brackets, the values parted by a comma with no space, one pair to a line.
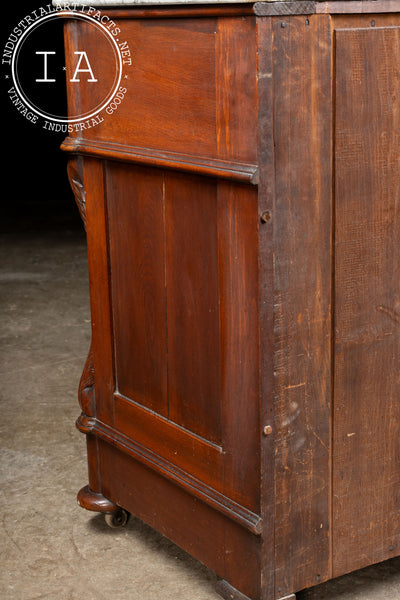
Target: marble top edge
[120,3]
[105,3]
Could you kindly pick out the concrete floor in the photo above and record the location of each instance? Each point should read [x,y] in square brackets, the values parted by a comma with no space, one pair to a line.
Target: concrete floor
[49,547]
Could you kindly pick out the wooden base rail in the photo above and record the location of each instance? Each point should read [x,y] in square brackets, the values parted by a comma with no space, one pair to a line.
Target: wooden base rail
[239,514]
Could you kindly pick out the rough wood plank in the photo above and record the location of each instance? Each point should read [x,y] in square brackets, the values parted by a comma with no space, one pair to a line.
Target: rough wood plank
[305,7]
[302,253]
[358,6]
[266,215]
[366,514]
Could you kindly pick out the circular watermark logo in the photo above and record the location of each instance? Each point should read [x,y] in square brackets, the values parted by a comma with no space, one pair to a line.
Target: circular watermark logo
[67,66]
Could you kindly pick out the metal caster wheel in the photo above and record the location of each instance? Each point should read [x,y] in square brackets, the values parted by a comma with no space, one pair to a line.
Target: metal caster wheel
[118,518]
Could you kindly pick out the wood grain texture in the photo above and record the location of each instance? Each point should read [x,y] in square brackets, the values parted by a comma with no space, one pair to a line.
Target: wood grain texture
[168,105]
[366,21]
[181,11]
[245,337]
[235,52]
[181,447]
[137,262]
[239,341]
[184,163]
[358,6]
[367,299]
[302,312]
[100,301]
[193,304]
[95,501]
[183,258]
[309,7]
[196,527]
[266,203]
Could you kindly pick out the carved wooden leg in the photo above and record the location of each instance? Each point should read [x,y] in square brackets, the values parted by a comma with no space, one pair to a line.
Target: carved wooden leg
[228,592]
[95,501]
[115,516]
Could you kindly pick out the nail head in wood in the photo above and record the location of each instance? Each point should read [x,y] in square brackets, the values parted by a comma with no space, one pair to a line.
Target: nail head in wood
[266,216]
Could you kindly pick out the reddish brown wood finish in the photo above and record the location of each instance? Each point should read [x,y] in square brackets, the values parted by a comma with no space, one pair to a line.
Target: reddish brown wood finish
[136,227]
[367,411]
[242,225]
[302,284]
[266,196]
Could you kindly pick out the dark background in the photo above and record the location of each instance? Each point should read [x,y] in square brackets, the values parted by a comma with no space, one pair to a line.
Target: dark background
[35,185]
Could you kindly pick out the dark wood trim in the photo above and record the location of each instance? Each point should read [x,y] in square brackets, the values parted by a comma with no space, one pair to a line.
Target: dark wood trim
[310,7]
[261,9]
[232,171]
[266,202]
[216,500]
[176,12]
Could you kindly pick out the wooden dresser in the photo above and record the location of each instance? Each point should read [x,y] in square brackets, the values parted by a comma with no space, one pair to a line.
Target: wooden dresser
[242,207]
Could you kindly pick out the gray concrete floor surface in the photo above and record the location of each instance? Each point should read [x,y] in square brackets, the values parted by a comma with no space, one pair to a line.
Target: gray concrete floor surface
[51,548]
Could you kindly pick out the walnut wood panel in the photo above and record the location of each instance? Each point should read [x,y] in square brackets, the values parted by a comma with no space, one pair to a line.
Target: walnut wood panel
[203,532]
[239,341]
[137,262]
[235,56]
[367,298]
[130,418]
[193,304]
[202,459]
[170,105]
[302,244]
[183,260]
[170,96]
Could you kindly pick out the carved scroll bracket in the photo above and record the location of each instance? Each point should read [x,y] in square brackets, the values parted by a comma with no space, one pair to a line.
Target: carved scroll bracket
[75,177]
[86,384]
